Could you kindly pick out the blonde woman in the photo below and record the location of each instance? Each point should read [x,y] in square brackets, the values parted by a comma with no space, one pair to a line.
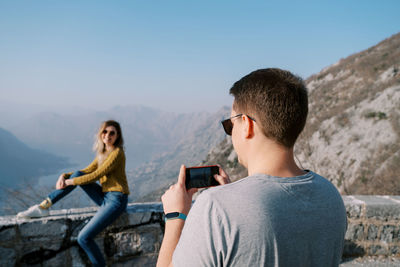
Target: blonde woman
[112,196]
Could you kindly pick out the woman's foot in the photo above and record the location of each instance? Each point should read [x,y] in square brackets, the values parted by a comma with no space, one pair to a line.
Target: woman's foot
[33,212]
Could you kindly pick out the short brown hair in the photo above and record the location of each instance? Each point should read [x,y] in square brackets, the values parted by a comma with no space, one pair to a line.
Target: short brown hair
[276,99]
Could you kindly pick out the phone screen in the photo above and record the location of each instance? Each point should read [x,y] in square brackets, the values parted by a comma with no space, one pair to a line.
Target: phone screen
[198,177]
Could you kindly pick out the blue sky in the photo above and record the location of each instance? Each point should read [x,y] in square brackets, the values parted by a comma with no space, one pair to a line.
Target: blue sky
[181,56]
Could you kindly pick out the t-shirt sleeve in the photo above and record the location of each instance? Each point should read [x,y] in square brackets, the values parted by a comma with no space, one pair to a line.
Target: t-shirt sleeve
[201,242]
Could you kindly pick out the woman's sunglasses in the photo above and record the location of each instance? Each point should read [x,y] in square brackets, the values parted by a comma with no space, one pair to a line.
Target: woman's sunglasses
[228,125]
[111,133]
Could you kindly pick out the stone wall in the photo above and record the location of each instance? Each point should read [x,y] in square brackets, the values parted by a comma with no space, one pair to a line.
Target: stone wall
[135,238]
[373,226]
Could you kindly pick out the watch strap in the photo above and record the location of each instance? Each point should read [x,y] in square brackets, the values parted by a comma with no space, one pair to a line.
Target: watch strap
[174,215]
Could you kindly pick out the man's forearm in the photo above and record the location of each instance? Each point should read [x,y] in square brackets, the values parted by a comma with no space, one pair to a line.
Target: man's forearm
[173,230]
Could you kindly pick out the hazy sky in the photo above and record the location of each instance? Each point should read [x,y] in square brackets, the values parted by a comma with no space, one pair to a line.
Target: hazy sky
[174,55]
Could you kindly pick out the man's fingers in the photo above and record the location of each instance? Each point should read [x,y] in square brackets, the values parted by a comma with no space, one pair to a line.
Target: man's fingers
[222,172]
[182,175]
[222,179]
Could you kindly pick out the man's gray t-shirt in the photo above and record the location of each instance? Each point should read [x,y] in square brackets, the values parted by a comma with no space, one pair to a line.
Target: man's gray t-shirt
[265,221]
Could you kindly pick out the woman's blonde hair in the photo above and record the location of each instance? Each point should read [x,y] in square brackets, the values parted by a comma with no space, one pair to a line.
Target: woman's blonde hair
[99,147]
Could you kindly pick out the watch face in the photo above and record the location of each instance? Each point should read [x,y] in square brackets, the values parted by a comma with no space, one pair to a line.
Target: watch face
[172,215]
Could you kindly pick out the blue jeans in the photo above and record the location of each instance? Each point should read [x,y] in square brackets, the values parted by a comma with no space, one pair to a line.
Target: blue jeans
[112,205]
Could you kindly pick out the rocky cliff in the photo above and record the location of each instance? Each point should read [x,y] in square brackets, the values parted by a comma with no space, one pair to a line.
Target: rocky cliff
[353,129]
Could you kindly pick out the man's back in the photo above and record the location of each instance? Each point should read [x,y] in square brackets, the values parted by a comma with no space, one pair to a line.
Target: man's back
[265,221]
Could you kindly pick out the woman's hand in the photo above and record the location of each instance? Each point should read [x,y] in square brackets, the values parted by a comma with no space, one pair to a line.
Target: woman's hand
[61,182]
[68,182]
[177,198]
[222,178]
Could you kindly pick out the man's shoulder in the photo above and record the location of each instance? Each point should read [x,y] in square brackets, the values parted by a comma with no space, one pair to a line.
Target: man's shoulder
[244,188]
[259,185]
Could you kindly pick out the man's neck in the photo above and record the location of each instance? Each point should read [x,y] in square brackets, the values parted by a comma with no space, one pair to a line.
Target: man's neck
[274,160]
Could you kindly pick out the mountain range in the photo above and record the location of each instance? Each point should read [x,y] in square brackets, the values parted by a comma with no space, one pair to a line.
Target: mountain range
[351,136]
[20,163]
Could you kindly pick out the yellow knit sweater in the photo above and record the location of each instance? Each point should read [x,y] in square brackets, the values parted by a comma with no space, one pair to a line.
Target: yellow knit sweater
[111,173]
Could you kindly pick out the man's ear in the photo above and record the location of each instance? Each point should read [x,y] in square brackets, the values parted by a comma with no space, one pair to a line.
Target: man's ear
[249,126]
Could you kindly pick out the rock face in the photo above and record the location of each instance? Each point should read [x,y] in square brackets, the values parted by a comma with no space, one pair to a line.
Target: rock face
[353,130]
[352,135]
[135,238]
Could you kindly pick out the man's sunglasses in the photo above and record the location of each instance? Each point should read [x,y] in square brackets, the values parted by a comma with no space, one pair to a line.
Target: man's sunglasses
[228,126]
[111,133]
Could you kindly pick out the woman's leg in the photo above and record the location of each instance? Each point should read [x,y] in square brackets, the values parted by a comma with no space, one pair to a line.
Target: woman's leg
[113,206]
[95,192]
[58,194]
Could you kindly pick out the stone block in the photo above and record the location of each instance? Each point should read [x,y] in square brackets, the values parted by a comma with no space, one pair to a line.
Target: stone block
[78,257]
[62,259]
[355,232]
[143,261]
[133,242]
[7,256]
[353,207]
[123,244]
[383,212]
[121,221]
[397,234]
[76,227]
[388,233]
[374,250]
[100,243]
[38,246]
[42,235]
[41,228]
[150,238]
[7,234]
[373,231]
[395,250]
[381,208]
[139,218]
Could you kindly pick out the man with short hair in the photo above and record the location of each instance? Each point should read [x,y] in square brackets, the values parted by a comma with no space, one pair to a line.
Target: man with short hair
[280,215]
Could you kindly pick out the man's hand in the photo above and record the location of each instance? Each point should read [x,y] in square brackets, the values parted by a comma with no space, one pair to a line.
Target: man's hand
[177,198]
[222,178]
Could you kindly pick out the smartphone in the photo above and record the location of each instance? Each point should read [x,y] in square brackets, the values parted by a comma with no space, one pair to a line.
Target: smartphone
[203,176]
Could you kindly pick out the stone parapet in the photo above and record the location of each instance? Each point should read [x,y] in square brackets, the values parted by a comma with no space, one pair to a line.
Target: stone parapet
[135,238]
[373,226]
